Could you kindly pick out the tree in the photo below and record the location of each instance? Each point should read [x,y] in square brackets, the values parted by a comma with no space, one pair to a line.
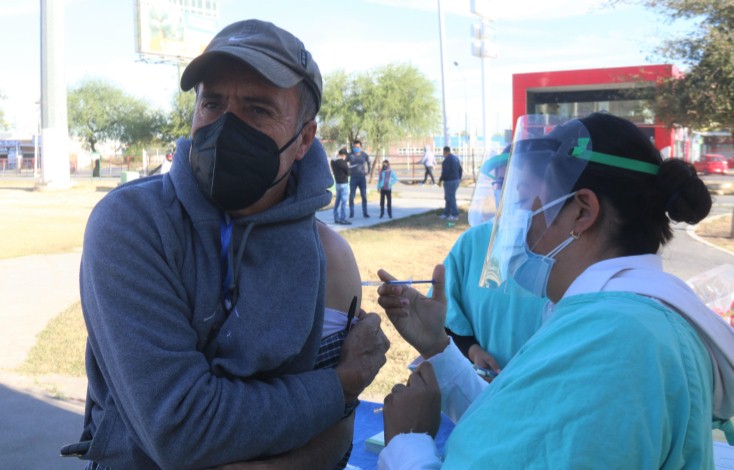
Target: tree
[704,97]
[3,122]
[99,111]
[380,106]
[401,103]
[178,122]
[342,112]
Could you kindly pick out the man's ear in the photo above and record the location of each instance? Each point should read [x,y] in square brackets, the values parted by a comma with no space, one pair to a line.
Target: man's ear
[308,133]
[589,210]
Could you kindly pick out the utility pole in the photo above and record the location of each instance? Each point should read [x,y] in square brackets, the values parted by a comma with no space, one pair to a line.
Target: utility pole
[466,109]
[54,124]
[485,48]
[441,39]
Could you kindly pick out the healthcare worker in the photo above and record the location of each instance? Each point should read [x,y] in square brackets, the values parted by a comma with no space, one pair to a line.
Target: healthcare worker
[483,323]
[630,369]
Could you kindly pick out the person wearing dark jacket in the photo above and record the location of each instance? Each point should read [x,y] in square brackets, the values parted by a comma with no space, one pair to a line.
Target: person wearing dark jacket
[451,172]
[340,169]
[359,165]
[205,318]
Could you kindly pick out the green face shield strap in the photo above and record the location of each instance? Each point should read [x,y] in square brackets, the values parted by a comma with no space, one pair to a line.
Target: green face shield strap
[494,163]
[612,160]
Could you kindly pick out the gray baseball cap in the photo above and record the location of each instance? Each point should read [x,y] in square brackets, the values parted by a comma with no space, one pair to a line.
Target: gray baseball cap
[274,52]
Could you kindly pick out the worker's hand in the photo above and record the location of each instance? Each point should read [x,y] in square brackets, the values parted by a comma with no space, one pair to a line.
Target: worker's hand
[362,355]
[419,319]
[415,407]
[481,358]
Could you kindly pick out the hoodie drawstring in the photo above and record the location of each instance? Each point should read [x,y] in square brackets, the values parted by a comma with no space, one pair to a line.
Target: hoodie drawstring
[230,272]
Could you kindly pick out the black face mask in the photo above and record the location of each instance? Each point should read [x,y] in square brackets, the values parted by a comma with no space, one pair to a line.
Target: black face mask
[235,164]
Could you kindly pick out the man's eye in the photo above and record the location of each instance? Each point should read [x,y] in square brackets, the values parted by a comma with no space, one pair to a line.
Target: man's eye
[259,110]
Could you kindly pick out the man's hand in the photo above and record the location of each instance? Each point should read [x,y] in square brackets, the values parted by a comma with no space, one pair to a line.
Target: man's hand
[419,319]
[362,356]
[323,451]
[415,407]
[481,358]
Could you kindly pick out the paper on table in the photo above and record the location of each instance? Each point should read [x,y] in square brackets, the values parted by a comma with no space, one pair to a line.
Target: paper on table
[723,456]
[375,443]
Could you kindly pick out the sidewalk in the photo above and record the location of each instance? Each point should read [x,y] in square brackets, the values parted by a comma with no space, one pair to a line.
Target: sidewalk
[407,200]
[34,289]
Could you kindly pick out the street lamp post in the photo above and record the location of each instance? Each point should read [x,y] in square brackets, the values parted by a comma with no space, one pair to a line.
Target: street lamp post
[484,48]
[466,108]
[442,36]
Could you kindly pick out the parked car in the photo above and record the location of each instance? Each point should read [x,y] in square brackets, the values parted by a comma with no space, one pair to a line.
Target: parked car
[711,163]
[730,161]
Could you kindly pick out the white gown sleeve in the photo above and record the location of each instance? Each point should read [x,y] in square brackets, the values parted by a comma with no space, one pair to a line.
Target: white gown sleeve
[459,383]
[459,386]
[410,452]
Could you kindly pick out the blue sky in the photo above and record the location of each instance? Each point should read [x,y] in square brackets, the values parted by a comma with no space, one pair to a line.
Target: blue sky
[353,35]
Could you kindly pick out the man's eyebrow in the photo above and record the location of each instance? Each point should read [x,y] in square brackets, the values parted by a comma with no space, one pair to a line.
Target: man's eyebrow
[210,94]
[248,99]
[259,100]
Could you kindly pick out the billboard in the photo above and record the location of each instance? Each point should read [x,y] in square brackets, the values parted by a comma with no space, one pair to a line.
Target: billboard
[175,30]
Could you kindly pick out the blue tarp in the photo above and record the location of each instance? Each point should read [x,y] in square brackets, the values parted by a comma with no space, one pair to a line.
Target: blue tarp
[368,422]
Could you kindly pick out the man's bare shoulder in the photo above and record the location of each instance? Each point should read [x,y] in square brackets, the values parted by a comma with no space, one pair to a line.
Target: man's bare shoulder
[335,246]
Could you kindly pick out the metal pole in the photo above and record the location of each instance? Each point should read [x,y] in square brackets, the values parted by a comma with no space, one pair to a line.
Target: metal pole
[466,107]
[485,133]
[35,155]
[442,37]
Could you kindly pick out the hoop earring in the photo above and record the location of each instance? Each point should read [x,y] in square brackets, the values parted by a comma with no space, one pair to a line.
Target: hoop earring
[575,236]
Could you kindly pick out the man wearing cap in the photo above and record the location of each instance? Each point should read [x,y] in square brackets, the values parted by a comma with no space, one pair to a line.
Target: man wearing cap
[203,289]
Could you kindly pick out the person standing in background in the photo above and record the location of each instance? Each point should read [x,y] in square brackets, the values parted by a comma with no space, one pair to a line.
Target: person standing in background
[359,166]
[387,179]
[166,165]
[429,161]
[451,173]
[340,169]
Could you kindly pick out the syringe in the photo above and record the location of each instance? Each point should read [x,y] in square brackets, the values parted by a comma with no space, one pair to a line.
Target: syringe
[396,283]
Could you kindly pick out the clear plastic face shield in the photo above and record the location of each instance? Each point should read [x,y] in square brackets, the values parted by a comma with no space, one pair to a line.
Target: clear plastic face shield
[488,188]
[545,163]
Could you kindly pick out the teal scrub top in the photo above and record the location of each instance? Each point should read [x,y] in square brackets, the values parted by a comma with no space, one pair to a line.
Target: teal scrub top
[501,320]
[612,380]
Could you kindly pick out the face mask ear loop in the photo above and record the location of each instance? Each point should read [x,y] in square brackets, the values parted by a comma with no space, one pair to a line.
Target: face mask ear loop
[293,139]
[543,209]
[280,150]
[563,245]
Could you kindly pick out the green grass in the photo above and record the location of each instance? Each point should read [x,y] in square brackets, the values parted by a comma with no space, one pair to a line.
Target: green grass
[44,222]
[60,346]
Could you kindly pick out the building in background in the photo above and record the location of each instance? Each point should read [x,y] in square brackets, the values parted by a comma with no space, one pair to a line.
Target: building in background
[622,91]
[19,154]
